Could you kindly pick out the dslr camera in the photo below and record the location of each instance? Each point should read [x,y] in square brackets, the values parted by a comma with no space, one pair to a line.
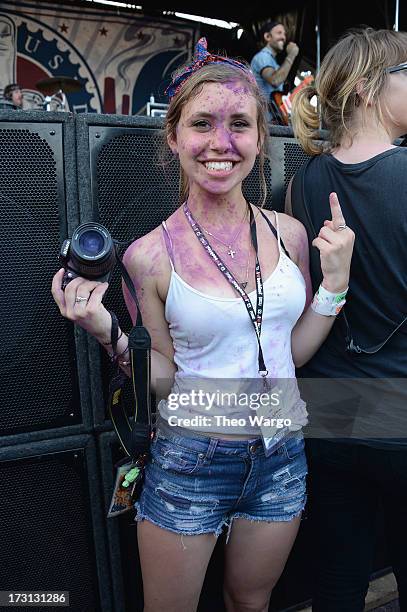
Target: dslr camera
[89,253]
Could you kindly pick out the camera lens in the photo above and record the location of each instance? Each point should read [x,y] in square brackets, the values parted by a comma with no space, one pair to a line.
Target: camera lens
[92,251]
[91,243]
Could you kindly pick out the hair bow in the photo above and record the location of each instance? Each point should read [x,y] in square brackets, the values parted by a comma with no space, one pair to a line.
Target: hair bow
[201,58]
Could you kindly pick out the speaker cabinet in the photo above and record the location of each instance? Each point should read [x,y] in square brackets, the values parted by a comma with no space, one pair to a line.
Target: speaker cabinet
[286,157]
[52,528]
[39,354]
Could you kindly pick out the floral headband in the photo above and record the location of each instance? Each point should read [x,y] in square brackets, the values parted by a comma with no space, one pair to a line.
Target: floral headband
[202,58]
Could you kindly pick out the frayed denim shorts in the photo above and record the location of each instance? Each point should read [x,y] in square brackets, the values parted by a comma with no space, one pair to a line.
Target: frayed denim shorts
[196,484]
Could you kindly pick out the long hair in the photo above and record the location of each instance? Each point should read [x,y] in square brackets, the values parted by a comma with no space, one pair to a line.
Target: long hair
[361,56]
[218,73]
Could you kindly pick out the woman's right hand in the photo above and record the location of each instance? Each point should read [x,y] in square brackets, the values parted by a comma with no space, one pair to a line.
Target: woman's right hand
[90,313]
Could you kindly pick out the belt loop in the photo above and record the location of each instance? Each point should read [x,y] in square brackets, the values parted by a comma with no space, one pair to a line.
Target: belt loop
[211,448]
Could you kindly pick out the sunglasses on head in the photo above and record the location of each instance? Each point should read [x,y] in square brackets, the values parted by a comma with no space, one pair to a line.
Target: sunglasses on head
[397,68]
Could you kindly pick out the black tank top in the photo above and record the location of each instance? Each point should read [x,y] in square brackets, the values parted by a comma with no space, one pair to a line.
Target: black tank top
[373,197]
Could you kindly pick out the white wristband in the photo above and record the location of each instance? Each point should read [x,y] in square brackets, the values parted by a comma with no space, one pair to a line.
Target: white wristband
[327,303]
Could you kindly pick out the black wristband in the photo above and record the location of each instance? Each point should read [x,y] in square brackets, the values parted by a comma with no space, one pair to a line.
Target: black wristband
[110,341]
[114,332]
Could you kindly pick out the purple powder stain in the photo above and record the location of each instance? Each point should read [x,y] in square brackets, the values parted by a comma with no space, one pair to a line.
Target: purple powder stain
[238,87]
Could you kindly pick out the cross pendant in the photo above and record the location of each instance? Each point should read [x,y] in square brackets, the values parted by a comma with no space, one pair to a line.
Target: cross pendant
[231,252]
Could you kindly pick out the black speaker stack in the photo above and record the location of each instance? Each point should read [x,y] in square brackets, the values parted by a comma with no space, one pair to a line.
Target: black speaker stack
[57,446]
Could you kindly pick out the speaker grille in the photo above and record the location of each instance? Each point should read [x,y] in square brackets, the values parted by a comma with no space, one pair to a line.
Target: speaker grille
[135,192]
[40,389]
[294,158]
[47,498]
[251,185]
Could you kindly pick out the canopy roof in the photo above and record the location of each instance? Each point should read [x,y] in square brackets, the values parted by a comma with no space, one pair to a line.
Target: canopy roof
[334,19]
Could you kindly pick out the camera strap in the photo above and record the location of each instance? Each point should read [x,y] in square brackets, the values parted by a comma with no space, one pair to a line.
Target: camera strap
[303,214]
[134,437]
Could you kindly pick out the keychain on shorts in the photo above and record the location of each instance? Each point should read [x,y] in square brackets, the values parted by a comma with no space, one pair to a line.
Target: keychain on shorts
[129,477]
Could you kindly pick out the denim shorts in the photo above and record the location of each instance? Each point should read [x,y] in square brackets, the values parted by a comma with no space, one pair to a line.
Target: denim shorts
[196,484]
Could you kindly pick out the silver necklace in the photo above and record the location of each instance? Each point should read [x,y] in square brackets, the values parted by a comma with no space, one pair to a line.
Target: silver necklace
[230,250]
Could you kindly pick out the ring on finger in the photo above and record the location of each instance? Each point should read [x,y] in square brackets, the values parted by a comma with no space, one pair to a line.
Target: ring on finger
[341,227]
[80,298]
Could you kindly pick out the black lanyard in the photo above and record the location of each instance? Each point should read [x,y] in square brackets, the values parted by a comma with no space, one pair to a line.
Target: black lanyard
[255,317]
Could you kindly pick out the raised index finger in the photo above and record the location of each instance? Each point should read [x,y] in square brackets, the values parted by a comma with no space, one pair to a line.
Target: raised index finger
[336,211]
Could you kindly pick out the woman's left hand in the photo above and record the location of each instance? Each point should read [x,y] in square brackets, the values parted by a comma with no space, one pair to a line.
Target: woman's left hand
[335,244]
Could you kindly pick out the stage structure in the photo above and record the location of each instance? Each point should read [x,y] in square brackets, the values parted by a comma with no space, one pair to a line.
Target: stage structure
[117,60]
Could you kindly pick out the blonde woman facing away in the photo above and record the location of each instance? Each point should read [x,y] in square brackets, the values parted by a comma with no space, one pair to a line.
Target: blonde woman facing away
[362,97]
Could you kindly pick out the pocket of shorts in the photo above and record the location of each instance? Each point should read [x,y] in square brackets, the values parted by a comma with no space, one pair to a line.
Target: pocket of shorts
[174,458]
[294,447]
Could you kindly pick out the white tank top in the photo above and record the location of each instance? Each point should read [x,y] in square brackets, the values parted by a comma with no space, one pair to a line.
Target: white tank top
[215,349]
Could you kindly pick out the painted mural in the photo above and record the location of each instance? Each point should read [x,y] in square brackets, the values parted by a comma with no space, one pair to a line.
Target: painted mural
[119,59]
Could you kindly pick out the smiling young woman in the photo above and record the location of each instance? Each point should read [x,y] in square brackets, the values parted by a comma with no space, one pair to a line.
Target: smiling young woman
[227,309]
